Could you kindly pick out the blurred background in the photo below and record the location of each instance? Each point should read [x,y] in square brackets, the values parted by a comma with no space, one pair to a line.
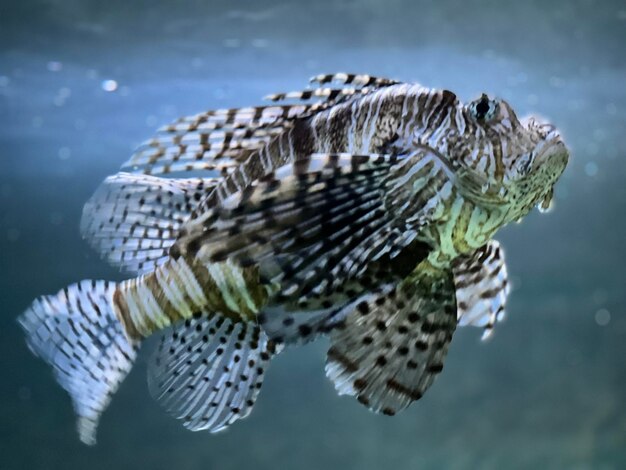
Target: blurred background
[82,82]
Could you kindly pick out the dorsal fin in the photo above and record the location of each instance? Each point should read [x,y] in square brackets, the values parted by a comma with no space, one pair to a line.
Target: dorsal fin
[132,220]
[357,80]
[215,140]
[219,140]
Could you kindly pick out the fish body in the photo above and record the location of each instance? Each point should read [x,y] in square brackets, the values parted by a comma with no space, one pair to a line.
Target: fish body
[364,212]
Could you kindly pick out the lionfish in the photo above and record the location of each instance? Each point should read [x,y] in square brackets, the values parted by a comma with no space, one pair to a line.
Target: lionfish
[361,208]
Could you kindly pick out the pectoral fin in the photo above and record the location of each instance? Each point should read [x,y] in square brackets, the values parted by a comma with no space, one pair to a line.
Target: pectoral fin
[391,347]
[305,225]
[481,287]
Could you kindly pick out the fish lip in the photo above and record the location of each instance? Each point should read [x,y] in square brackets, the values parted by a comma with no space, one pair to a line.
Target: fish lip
[549,146]
[552,147]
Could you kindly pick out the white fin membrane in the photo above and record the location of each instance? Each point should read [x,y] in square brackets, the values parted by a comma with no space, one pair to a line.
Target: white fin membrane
[208,370]
[482,287]
[132,220]
[77,332]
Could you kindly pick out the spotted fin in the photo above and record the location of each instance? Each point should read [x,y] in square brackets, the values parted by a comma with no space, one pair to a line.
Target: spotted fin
[302,320]
[78,333]
[294,327]
[132,220]
[208,370]
[299,327]
[391,347]
[481,287]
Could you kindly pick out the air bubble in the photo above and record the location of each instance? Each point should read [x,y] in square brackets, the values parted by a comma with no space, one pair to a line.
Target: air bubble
[232,43]
[64,153]
[603,317]
[260,43]
[55,66]
[109,85]
[591,169]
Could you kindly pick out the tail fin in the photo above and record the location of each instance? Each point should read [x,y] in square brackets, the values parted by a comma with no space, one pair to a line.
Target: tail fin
[78,333]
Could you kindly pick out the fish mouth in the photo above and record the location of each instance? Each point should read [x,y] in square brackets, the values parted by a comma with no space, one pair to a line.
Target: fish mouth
[551,148]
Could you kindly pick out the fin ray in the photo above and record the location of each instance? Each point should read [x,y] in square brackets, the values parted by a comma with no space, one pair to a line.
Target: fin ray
[132,220]
[208,370]
[77,332]
[482,287]
[393,344]
[306,214]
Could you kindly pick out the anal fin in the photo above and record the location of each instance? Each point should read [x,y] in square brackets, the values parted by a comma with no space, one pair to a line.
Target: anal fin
[208,370]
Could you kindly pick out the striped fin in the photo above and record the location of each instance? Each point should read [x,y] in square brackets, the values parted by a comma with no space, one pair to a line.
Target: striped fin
[481,287]
[208,370]
[301,222]
[297,321]
[326,95]
[216,140]
[132,220]
[316,222]
[77,332]
[350,85]
[391,347]
[358,80]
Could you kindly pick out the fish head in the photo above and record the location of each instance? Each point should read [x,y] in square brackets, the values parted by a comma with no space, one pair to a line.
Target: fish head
[505,161]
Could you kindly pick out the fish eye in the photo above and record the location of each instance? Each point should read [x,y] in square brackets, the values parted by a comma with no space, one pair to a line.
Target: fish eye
[483,109]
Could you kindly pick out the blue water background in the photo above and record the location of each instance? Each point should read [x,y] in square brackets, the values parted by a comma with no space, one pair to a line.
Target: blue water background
[548,391]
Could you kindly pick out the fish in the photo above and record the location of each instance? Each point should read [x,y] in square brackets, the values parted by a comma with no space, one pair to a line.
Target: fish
[361,209]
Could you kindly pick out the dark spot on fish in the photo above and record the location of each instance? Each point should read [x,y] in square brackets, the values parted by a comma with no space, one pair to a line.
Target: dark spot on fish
[305,330]
[360,384]
[363,400]
[363,308]
[435,368]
